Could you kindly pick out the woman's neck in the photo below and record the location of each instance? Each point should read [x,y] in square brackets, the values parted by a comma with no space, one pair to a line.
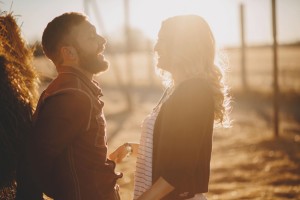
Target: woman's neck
[178,79]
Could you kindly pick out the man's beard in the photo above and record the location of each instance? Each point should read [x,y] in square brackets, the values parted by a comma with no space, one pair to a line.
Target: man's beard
[91,62]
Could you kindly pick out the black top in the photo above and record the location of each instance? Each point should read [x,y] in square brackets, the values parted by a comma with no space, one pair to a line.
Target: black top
[182,139]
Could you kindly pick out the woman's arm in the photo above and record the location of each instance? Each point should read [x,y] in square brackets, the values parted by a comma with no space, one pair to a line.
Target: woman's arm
[124,150]
[158,190]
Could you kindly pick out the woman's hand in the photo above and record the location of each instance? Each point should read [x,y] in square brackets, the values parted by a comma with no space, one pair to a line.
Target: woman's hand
[158,190]
[124,150]
[119,154]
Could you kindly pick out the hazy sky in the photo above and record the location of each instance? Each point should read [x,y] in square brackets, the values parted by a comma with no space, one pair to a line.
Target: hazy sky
[222,15]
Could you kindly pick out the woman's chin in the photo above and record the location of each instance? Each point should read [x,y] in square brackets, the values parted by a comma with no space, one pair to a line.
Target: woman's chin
[100,57]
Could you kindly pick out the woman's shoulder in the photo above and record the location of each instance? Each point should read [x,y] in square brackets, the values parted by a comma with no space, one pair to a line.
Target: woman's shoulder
[190,94]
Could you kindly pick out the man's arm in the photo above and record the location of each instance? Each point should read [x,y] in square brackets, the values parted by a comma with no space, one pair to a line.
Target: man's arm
[60,120]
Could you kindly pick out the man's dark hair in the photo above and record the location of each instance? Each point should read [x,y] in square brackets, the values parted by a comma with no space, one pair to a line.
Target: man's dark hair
[57,33]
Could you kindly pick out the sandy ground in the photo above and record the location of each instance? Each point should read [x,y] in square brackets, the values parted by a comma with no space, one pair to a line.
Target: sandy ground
[247,162]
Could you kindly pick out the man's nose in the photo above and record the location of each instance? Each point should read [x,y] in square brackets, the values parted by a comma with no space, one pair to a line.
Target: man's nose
[101,40]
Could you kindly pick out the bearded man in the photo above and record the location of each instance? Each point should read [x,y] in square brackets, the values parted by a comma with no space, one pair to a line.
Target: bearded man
[67,152]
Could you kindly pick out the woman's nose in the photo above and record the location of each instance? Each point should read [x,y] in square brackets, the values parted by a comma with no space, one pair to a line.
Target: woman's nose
[155,47]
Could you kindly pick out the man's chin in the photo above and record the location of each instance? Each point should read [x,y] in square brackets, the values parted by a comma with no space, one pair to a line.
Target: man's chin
[104,65]
[95,68]
[101,67]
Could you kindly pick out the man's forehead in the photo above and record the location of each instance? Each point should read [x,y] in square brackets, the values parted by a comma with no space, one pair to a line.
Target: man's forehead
[84,27]
[86,24]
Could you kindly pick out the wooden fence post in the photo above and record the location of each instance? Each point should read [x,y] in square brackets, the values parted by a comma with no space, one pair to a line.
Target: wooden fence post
[243,50]
[128,53]
[275,71]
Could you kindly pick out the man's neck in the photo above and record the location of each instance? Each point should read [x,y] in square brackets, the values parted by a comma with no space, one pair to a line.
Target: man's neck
[86,73]
[89,75]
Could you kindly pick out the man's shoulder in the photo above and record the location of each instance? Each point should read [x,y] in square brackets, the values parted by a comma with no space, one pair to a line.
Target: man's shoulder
[65,84]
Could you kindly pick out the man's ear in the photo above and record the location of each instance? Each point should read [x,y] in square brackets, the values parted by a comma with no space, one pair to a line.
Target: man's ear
[68,53]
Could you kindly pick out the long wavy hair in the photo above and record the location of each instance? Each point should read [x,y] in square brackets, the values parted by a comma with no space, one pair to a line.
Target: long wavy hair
[192,53]
[18,96]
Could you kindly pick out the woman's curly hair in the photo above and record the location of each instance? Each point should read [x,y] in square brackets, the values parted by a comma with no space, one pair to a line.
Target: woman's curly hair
[18,96]
[191,50]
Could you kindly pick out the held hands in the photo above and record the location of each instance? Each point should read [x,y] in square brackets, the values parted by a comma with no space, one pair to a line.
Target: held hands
[121,152]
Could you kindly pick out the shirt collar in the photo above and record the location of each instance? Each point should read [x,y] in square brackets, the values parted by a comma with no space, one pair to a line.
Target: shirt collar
[93,85]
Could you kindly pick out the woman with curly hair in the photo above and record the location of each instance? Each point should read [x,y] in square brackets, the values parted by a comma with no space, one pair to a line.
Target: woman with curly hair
[173,157]
[18,96]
